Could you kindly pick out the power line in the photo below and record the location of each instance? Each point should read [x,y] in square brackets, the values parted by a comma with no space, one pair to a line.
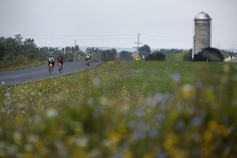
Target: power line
[65,35]
[105,37]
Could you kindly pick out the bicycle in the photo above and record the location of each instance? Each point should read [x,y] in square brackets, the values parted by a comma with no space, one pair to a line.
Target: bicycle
[88,62]
[50,68]
[60,68]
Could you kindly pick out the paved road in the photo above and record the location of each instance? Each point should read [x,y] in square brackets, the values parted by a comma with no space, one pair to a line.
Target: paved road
[12,78]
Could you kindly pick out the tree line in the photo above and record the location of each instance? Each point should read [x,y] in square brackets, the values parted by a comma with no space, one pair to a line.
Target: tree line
[13,48]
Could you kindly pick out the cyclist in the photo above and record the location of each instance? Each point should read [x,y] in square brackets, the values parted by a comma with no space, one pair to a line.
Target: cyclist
[88,57]
[51,61]
[60,62]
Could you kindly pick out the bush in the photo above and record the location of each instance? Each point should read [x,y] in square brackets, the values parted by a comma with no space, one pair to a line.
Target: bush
[108,55]
[209,54]
[155,56]
[126,56]
[188,56]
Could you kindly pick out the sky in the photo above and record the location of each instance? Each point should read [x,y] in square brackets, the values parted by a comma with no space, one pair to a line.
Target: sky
[117,23]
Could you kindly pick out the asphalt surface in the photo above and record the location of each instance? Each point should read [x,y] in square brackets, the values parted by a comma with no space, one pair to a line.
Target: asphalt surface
[11,78]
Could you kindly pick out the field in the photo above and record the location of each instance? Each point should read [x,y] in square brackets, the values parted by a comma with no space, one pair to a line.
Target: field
[19,63]
[124,110]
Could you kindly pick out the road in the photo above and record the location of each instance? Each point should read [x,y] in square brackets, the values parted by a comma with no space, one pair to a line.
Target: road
[12,78]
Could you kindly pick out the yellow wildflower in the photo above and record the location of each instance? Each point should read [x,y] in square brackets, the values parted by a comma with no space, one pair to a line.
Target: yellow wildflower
[187,91]
[19,119]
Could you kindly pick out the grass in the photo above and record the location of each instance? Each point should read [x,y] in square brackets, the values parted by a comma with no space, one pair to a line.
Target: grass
[124,109]
[19,64]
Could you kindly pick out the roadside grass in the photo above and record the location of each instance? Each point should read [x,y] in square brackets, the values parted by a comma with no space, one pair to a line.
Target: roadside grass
[19,63]
[124,110]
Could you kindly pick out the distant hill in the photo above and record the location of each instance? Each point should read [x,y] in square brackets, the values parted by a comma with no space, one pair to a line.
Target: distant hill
[106,48]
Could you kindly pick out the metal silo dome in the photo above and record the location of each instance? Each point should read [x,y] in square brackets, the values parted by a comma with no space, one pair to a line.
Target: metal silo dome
[202,16]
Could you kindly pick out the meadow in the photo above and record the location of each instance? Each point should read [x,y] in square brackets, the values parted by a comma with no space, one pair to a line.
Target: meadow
[19,64]
[124,110]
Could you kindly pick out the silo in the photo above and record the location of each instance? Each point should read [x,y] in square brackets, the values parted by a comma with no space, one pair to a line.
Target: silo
[202,32]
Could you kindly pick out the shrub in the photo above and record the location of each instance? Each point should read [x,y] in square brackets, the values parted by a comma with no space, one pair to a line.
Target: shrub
[158,56]
[209,54]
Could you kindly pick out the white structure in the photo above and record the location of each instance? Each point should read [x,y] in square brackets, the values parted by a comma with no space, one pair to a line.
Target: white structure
[202,32]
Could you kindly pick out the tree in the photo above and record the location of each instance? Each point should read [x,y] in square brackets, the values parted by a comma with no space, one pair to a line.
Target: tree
[209,54]
[144,50]
[11,48]
[212,54]
[69,53]
[15,48]
[126,56]
[155,56]
[188,56]
[29,49]
[108,55]
[198,57]
[2,48]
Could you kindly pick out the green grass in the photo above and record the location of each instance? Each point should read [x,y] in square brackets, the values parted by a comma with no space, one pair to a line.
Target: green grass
[18,64]
[124,109]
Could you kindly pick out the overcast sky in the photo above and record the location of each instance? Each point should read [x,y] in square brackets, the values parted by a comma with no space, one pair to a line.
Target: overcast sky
[116,23]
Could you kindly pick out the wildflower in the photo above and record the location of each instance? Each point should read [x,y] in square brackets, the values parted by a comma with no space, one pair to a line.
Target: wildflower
[114,137]
[170,141]
[51,113]
[8,95]
[191,110]
[12,150]
[176,77]
[117,155]
[140,113]
[151,102]
[159,98]
[19,119]
[180,109]
[82,142]
[210,94]
[208,135]
[196,121]
[122,130]
[187,91]
[153,133]
[139,134]
[28,147]
[213,125]
[127,154]
[17,137]
[180,125]
[90,102]
[33,138]
[162,155]
[131,124]
[2,83]
[160,117]
[97,111]
[198,85]
[96,82]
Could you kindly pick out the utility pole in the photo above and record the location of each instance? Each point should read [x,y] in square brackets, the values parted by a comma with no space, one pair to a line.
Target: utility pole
[138,43]
[75,52]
